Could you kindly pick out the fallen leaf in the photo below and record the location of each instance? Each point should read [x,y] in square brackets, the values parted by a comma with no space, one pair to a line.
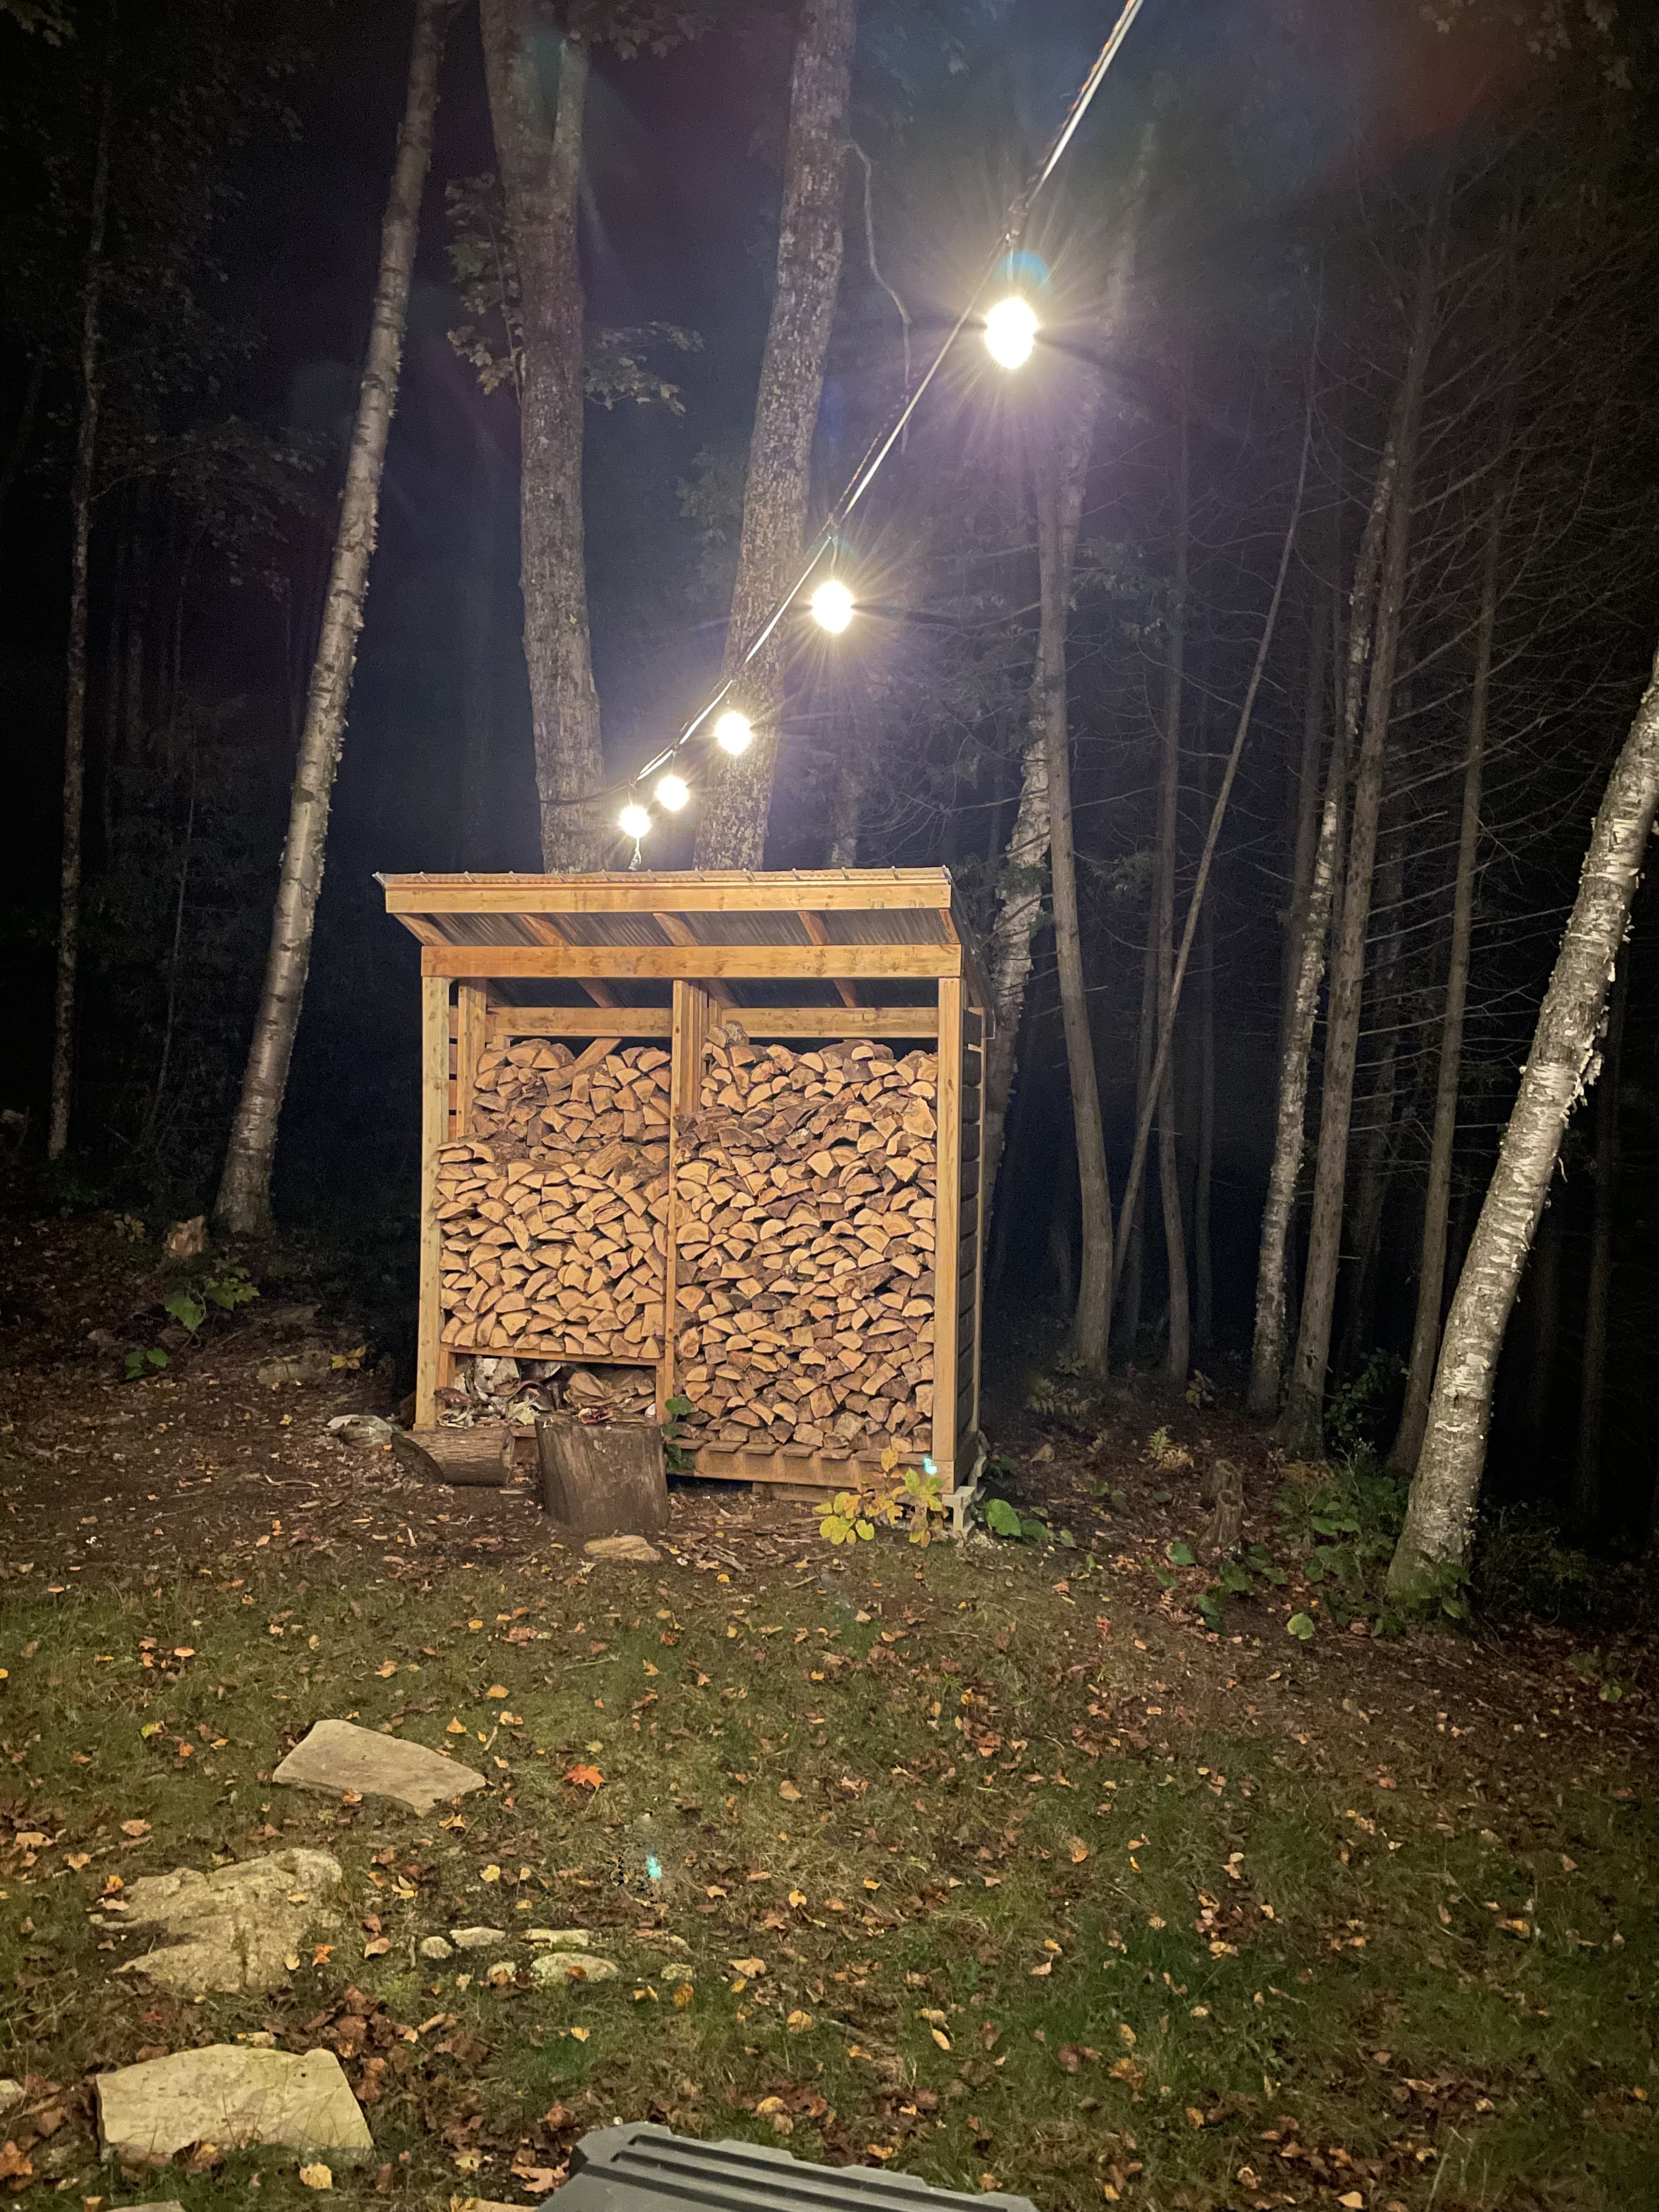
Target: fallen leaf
[454,1728]
[135,1828]
[491,1873]
[386,1667]
[1077,1850]
[317,2177]
[377,1947]
[798,2022]
[580,2034]
[321,1953]
[76,1860]
[788,1792]
[749,1967]
[585,1778]
[495,1690]
[940,2038]
[1354,2201]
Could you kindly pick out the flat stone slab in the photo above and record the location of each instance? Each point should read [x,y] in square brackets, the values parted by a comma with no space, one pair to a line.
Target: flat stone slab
[153,2204]
[231,2097]
[632,1550]
[562,1939]
[336,1756]
[234,1928]
[476,1939]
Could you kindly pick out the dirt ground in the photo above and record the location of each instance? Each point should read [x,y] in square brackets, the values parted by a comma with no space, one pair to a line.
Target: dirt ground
[1406,1956]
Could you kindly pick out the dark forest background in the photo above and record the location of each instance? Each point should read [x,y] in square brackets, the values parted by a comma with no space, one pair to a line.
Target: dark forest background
[1303,155]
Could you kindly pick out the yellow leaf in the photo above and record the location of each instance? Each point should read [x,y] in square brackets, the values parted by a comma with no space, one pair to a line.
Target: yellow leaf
[940,2038]
[135,1828]
[1194,2117]
[76,1860]
[495,1690]
[317,2177]
[454,1728]
[580,2034]
[1352,2202]
[797,1898]
[750,1968]
[683,1994]
[292,1962]
[386,1667]
[321,1953]
[377,1947]
[788,1792]
[798,2022]
[491,1873]
[1077,1850]
[1046,1968]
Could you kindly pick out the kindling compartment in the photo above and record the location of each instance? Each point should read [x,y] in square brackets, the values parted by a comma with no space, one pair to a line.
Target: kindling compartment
[725,1126]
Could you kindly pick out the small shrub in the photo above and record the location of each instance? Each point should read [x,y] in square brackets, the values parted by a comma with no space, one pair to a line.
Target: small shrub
[1364,1413]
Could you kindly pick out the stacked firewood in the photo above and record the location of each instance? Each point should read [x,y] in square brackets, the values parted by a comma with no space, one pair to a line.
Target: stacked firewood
[803,1272]
[553,1215]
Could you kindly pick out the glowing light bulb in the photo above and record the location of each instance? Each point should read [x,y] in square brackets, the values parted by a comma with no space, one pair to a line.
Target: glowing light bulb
[634,820]
[734,733]
[832,606]
[672,792]
[1011,329]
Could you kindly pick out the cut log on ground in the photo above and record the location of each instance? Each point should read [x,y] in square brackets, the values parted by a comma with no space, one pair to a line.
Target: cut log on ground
[603,1479]
[475,1458]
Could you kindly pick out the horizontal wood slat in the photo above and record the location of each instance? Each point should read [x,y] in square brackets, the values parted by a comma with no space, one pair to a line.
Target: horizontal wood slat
[696,962]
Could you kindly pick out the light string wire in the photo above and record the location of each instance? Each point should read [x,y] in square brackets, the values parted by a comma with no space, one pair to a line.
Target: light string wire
[884,440]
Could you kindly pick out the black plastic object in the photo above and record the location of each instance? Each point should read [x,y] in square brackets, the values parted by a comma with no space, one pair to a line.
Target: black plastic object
[644,2168]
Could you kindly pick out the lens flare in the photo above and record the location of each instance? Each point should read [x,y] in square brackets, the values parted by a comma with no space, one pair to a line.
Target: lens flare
[634,820]
[734,733]
[1011,329]
[673,792]
[832,606]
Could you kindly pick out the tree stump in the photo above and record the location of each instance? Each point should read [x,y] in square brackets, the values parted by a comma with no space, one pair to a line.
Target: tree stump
[604,1478]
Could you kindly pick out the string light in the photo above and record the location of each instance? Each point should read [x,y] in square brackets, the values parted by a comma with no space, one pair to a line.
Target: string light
[1010,331]
[734,732]
[832,605]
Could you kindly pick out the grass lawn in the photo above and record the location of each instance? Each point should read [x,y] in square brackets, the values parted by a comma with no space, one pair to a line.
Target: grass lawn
[990,1864]
[965,1881]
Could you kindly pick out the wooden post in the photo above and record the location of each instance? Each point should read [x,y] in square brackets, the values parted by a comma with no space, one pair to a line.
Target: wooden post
[947,1210]
[471,1031]
[434,1130]
[974,1137]
[687,1035]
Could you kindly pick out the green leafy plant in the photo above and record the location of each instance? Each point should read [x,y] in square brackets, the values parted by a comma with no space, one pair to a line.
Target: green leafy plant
[1300,1624]
[1166,1455]
[142,1361]
[230,1289]
[897,1495]
[1003,1518]
[186,1309]
[1200,1392]
[1361,1415]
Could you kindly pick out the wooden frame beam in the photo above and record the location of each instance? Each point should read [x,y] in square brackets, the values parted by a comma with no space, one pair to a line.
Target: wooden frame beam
[697,963]
[434,1132]
[764,1022]
[813,925]
[647,891]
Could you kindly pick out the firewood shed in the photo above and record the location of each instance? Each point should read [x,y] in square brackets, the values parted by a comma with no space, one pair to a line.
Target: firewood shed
[724,1127]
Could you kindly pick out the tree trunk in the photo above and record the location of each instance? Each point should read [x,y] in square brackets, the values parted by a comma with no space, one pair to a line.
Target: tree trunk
[1437,1206]
[1302,1424]
[1059,514]
[1203,1261]
[540,159]
[478,600]
[1440,1515]
[1179,1351]
[1302,1008]
[1019,910]
[737,794]
[1305,840]
[1379,1145]
[1211,836]
[244,1203]
[1132,1264]
[75,688]
[1592,1386]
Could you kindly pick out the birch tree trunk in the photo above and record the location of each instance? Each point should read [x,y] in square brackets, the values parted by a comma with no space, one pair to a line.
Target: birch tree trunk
[1203,1261]
[1178,1357]
[1019,909]
[539,156]
[1132,1259]
[1296,1043]
[1305,840]
[1302,1423]
[1437,1205]
[1059,515]
[1440,1513]
[737,795]
[244,1202]
[1380,1144]
[1593,1377]
[74,688]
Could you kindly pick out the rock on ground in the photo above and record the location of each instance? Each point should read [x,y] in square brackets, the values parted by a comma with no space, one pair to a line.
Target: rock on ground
[231,1930]
[230,2097]
[336,1756]
[12,2094]
[570,1969]
[633,1549]
[476,1939]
